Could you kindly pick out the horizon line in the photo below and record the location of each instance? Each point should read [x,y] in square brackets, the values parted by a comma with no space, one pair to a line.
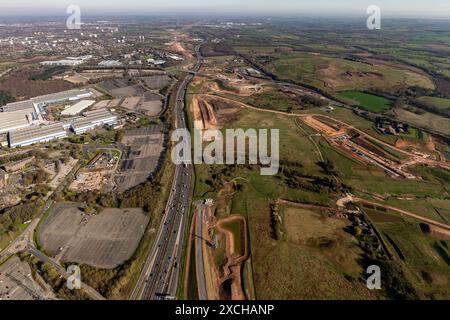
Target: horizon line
[111,13]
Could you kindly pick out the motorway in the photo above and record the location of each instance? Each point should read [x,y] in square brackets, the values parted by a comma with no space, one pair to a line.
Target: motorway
[160,276]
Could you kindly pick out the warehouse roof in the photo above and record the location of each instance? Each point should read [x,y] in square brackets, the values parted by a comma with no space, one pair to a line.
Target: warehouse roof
[60,96]
[77,108]
[14,120]
[35,132]
[64,95]
[92,118]
[16,106]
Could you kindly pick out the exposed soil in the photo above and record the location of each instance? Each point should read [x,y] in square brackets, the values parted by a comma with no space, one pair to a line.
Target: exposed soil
[213,112]
[405,144]
[177,47]
[329,130]
[231,282]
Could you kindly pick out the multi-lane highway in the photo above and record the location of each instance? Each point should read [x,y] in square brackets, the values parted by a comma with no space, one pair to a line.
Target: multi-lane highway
[159,278]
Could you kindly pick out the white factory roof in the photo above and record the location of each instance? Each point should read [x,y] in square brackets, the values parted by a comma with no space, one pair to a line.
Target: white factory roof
[65,62]
[70,95]
[93,118]
[16,106]
[16,115]
[36,134]
[14,120]
[175,57]
[77,108]
[110,63]
[155,62]
[69,61]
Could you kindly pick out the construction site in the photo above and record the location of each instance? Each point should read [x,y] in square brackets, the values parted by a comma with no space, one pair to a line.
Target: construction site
[212,112]
[219,248]
[352,143]
[98,174]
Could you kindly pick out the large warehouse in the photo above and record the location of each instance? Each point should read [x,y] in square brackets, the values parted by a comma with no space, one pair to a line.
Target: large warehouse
[36,134]
[18,115]
[77,108]
[92,120]
[45,133]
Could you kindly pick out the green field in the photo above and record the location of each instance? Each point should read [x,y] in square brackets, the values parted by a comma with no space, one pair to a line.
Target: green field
[336,74]
[425,120]
[367,101]
[275,100]
[254,194]
[440,103]
[313,250]
[424,258]
[235,227]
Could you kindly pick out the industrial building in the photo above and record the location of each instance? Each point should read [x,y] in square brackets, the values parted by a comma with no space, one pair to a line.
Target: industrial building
[155,62]
[92,120]
[69,61]
[36,134]
[19,115]
[77,108]
[110,63]
[16,119]
[40,101]
[79,125]
[25,125]
[70,95]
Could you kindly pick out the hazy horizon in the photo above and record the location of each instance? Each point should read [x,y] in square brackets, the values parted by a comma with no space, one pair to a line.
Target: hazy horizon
[345,8]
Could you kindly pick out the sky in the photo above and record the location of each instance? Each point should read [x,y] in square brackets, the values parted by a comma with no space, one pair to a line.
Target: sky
[400,8]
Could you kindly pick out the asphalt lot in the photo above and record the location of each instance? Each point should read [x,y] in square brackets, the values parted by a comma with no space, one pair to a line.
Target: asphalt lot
[16,282]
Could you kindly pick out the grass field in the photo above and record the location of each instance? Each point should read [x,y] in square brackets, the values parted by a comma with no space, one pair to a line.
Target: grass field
[367,101]
[436,102]
[426,259]
[316,259]
[372,180]
[282,267]
[275,100]
[353,119]
[425,120]
[336,74]
[252,198]
[235,227]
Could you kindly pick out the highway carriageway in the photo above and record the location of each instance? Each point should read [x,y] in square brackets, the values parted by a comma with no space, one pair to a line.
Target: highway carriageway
[159,278]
